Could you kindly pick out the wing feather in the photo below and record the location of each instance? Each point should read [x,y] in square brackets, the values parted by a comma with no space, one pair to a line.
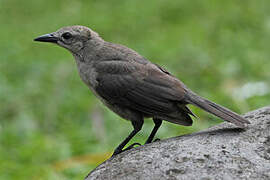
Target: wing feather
[144,89]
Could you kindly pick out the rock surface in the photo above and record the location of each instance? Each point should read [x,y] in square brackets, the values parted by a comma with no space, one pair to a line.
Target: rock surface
[221,152]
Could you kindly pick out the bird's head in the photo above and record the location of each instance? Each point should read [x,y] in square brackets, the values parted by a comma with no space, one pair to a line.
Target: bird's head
[73,38]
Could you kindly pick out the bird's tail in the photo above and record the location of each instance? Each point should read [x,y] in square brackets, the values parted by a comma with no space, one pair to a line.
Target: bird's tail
[215,109]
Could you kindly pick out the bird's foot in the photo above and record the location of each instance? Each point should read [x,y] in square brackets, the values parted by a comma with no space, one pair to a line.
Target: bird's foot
[148,142]
[118,151]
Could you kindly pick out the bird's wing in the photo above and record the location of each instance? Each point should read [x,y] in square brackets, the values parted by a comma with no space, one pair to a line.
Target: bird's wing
[145,88]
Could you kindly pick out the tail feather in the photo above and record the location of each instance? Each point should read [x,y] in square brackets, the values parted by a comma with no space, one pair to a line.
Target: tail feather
[216,109]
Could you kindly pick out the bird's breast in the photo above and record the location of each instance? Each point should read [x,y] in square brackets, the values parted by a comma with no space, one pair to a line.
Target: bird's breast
[88,74]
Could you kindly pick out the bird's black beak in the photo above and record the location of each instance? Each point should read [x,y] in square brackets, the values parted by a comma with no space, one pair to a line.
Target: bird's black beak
[47,38]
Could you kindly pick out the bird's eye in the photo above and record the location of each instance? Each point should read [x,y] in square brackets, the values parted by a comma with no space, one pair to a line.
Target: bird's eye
[67,35]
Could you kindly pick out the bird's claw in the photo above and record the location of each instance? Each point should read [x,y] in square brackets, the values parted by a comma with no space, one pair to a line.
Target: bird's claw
[118,151]
[131,146]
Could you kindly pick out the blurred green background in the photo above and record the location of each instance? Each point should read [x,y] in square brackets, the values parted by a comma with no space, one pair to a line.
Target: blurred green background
[52,126]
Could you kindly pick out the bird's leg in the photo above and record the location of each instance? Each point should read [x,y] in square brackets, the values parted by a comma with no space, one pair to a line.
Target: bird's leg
[158,123]
[137,127]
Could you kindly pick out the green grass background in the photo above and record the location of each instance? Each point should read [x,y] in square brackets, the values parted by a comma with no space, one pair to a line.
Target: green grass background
[52,126]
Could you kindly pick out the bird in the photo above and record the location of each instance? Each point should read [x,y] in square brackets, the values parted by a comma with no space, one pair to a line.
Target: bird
[132,86]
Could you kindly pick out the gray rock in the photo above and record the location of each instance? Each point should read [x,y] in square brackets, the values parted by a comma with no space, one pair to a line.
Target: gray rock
[221,152]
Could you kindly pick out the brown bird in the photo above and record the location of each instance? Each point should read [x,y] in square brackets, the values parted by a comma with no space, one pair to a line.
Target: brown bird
[130,85]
